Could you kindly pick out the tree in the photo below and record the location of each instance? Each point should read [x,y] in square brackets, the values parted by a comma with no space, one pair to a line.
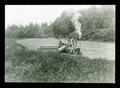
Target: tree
[12,31]
[62,26]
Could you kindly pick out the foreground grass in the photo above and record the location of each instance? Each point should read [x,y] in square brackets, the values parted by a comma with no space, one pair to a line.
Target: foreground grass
[31,66]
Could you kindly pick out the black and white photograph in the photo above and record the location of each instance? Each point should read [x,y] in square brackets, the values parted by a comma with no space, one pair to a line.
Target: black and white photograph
[60,43]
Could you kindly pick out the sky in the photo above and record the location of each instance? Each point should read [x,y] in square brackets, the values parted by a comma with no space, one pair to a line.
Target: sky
[25,14]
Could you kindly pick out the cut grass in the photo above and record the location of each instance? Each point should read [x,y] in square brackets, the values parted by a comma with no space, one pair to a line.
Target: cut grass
[88,48]
[31,66]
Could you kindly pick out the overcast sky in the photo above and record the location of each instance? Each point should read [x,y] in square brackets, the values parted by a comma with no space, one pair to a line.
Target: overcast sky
[25,14]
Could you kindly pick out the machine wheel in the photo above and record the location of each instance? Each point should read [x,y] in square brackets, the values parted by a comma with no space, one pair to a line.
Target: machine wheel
[78,52]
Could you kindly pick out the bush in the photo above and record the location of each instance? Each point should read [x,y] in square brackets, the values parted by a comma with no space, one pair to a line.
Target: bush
[104,35]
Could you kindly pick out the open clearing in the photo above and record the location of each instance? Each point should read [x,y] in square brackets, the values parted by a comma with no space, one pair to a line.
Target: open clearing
[88,48]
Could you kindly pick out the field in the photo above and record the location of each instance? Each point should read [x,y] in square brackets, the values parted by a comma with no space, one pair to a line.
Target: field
[88,48]
[97,65]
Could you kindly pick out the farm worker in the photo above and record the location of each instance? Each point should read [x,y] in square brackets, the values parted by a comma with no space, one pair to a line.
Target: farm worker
[60,43]
[62,46]
[72,44]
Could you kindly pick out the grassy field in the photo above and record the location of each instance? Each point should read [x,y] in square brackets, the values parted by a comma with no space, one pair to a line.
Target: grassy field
[31,66]
[88,48]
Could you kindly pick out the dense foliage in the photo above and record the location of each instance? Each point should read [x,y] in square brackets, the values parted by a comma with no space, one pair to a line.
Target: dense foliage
[97,24]
[29,31]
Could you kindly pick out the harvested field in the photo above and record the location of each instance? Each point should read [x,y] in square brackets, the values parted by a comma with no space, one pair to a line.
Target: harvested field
[88,48]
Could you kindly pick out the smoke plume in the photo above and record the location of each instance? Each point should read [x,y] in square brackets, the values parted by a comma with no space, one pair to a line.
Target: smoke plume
[74,15]
[76,23]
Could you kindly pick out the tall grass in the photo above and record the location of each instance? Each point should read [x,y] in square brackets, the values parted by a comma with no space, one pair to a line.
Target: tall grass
[31,66]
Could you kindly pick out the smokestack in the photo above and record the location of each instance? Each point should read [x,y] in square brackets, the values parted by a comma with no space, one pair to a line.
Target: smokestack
[76,23]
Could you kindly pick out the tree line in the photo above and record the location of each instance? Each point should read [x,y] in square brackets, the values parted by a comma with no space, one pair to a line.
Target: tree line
[97,24]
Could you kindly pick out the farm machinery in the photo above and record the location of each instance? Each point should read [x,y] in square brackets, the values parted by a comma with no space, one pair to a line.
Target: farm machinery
[69,47]
[61,46]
